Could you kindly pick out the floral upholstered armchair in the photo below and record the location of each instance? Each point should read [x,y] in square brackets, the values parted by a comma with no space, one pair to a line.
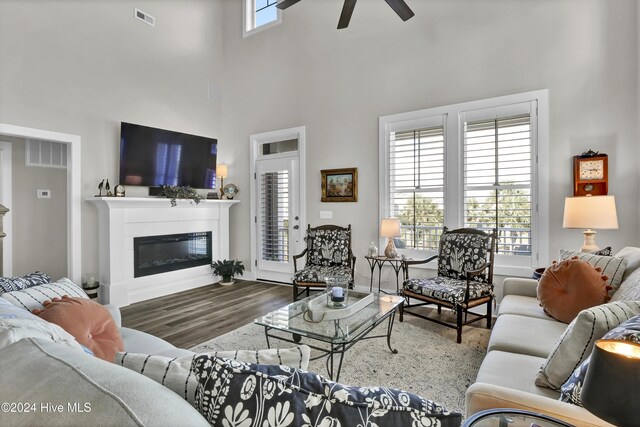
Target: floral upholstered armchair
[328,253]
[464,280]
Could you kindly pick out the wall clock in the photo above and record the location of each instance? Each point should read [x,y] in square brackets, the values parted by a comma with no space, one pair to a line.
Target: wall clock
[590,175]
[119,191]
[229,191]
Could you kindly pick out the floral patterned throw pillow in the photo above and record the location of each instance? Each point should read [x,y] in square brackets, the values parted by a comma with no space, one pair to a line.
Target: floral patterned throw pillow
[232,393]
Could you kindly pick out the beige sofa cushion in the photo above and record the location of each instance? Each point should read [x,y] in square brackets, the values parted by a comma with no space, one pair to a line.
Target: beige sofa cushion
[576,343]
[525,335]
[629,290]
[632,255]
[523,306]
[514,371]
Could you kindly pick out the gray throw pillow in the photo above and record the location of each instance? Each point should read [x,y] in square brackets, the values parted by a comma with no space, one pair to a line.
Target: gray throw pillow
[571,390]
[33,297]
[176,373]
[576,343]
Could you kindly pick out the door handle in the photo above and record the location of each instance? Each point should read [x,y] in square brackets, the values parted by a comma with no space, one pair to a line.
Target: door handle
[295,227]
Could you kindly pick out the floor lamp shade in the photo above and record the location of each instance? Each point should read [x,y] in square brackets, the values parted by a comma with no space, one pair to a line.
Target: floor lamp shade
[610,390]
[590,212]
[390,228]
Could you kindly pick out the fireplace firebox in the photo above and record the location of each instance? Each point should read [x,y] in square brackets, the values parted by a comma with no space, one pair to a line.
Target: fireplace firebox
[170,252]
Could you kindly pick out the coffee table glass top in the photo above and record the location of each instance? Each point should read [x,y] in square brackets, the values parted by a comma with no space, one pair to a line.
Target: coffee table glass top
[290,319]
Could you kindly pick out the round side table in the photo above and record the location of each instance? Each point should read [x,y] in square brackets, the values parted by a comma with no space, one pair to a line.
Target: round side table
[512,418]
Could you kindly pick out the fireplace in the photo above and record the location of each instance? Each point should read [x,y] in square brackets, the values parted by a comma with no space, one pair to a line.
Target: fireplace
[170,252]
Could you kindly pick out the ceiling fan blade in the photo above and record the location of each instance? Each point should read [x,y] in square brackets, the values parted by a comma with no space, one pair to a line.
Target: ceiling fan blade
[401,8]
[347,11]
[286,3]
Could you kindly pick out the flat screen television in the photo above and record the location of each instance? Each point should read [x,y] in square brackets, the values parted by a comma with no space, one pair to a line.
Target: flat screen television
[154,157]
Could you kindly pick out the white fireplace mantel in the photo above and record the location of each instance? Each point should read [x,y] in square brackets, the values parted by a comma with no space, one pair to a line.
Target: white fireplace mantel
[121,219]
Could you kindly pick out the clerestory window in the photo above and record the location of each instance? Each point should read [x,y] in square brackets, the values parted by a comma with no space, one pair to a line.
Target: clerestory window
[260,14]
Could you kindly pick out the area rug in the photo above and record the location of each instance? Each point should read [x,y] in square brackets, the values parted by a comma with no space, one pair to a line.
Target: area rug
[429,362]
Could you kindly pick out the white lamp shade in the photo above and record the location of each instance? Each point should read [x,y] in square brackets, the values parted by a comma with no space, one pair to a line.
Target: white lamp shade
[221,170]
[590,212]
[390,227]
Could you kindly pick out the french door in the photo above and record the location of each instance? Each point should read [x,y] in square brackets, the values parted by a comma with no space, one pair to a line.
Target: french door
[278,217]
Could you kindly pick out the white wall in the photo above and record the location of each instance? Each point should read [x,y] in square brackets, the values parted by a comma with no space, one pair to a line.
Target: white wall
[337,84]
[82,67]
[43,221]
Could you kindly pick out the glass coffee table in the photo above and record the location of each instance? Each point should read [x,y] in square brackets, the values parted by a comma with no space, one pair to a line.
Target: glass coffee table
[292,323]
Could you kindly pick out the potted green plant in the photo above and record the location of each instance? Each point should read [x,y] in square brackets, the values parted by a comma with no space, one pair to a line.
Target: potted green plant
[227,269]
[179,192]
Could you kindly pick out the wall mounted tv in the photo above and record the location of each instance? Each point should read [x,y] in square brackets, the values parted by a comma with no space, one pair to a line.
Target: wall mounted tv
[153,157]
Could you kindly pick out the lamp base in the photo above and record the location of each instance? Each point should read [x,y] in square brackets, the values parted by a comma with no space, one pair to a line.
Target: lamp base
[589,241]
[390,251]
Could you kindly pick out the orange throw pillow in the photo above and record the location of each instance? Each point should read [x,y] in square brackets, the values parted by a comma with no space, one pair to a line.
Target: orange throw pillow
[89,322]
[569,286]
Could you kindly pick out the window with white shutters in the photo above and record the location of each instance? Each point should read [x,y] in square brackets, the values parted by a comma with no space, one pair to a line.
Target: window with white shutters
[275,216]
[476,165]
[260,14]
[497,180]
[416,172]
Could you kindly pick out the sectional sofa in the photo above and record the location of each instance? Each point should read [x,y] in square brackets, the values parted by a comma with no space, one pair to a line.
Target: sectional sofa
[525,342]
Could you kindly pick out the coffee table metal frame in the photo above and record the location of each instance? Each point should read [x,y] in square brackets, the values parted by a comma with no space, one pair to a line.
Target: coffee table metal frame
[342,340]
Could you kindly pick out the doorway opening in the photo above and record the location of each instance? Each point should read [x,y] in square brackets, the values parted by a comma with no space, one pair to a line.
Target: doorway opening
[73,194]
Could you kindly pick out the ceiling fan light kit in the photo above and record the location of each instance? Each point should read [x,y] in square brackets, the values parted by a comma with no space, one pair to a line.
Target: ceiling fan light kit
[399,7]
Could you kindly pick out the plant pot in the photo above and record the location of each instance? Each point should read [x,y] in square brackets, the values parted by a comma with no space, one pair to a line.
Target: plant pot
[229,283]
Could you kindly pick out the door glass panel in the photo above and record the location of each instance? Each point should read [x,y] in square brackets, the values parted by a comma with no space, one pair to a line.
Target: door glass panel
[279,147]
[275,216]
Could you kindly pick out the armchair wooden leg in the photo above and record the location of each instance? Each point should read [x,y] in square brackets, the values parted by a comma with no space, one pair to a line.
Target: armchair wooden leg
[489,319]
[295,292]
[459,324]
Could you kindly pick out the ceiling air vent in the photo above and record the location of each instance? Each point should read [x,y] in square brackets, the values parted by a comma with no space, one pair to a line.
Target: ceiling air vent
[144,17]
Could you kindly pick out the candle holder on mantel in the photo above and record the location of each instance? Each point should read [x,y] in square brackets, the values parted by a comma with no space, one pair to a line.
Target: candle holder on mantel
[337,291]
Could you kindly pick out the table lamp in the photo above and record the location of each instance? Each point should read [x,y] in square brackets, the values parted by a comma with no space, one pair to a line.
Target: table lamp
[590,212]
[390,227]
[610,390]
[221,171]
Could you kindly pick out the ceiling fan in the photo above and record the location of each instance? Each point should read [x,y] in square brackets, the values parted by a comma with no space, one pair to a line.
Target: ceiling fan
[399,7]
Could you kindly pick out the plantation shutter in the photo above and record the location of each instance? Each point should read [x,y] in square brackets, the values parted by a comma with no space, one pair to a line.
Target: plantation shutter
[416,172]
[275,216]
[498,180]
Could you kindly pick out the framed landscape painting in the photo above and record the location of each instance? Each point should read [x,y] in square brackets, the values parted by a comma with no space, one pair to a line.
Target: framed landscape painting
[340,185]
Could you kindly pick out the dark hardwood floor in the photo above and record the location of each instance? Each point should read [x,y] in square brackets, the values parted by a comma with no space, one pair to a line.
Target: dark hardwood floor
[188,318]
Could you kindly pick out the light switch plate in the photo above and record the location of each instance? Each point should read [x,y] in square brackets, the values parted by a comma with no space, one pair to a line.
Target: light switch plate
[326,214]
